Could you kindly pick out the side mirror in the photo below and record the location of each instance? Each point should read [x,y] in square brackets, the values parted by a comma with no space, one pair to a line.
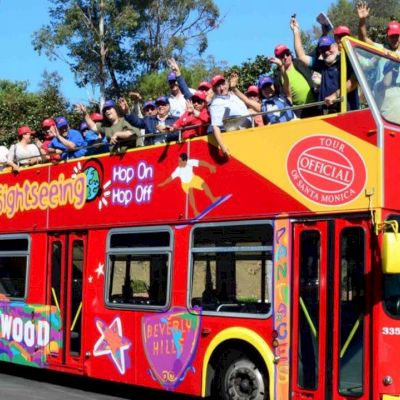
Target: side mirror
[391,253]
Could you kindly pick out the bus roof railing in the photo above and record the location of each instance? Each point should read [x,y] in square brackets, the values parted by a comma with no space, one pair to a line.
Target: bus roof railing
[45,157]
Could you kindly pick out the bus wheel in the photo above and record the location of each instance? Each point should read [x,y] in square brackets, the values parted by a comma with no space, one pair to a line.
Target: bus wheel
[241,379]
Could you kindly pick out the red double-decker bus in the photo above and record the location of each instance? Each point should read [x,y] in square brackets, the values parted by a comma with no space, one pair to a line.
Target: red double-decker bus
[273,274]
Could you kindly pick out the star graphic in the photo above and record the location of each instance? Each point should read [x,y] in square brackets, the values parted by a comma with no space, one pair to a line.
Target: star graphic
[112,343]
[90,279]
[100,270]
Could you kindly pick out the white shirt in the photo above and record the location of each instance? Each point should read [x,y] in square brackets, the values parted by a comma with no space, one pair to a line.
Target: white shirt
[185,173]
[177,104]
[226,106]
[3,157]
[20,154]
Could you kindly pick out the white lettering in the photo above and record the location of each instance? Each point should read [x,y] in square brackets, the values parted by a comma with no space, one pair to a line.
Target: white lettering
[17,330]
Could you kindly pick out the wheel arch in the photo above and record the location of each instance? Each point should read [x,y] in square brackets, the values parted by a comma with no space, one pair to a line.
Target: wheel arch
[238,338]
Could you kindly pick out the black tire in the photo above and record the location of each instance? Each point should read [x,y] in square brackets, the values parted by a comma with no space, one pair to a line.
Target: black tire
[239,378]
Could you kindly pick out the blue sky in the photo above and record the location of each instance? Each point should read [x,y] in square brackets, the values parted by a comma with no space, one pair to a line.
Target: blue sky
[250,28]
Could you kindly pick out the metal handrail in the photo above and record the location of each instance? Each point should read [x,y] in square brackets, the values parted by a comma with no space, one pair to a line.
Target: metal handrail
[151,135]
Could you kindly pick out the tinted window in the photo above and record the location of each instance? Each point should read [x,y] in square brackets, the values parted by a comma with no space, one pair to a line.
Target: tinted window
[13,266]
[138,268]
[232,268]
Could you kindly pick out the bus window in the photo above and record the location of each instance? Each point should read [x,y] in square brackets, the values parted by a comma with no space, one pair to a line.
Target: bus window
[232,268]
[14,252]
[76,298]
[139,268]
[352,300]
[382,75]
[308,358]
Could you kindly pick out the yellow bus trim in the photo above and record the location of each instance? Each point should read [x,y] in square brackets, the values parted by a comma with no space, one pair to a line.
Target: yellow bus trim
[248,336]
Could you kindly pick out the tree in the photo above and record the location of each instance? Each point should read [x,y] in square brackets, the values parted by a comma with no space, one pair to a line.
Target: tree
[110,42]
[173,28]
[249,71]
[94,34]
[343,12]
[153,85]
[20,107]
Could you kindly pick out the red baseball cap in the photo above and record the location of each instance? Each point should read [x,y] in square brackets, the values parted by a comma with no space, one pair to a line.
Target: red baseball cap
[281,48]
[48,122]
[217,79]
[393,28]
[342,30]
[252,89]
[204,85]
[96,117]
[199,95]
[22,130]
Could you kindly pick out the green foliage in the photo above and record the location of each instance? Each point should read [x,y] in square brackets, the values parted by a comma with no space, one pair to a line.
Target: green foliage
[249,71]
[153,85]
[108,43]
[139,286]
[343,12]
[19,107]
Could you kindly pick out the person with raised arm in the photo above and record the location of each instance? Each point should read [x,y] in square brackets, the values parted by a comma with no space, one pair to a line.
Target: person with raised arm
[152,124]
[120,134]
[271,100]
[392,44]
[67,142]
[327,63]
[196,115]
[298,77]
[228,112]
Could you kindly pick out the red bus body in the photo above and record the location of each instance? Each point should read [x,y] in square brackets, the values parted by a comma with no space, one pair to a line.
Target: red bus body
[312,190]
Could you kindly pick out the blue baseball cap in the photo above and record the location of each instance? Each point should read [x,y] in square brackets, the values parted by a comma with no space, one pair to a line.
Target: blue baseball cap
[61,121]
[265,80]
[325,41]
[108,104]
[83,126]
[148,104]
[162,99]
[171,76]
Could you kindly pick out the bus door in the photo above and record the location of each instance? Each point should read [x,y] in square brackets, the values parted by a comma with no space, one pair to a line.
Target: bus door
[66,263]
[331,310]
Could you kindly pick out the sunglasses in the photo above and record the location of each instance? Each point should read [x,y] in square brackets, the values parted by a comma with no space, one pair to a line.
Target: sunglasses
[284,54]
[197,101]
[323,49]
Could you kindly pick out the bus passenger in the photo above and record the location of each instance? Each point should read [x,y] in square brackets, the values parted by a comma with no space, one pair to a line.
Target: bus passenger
[271,100]
[95,143]
[67,142]
[340,32]
[3,157]
[149,108]
[392,35]
[253,93]
[387,92]
[206,87]
[153,124]
[196,114]
[327,63]
[226,104]
[120,134]
[179,90]
[299,79]
[49,132]
[24,152]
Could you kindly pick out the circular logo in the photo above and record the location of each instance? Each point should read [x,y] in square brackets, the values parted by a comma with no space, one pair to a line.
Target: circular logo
[326,170]
[92,183]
